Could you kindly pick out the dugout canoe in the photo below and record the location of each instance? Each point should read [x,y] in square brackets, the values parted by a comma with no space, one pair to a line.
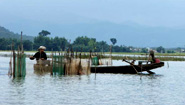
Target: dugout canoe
[128,69]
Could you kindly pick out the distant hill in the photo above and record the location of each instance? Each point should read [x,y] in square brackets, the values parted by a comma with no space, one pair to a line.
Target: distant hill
[126,34]
[129,34]
[5,33]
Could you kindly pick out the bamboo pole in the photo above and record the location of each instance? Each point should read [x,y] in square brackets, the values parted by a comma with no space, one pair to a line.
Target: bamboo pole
[111,54]
[52,62]
[76,54]
[13,62]
[89,62]
[19,62]
[10,63]
[22,48]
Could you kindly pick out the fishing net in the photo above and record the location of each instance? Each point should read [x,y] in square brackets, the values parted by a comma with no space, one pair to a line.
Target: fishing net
[86,68]
[68,64]
[74,66]
[20,65]
[95,61]
[105,61]
[58,65]
[71,67]
[42,67]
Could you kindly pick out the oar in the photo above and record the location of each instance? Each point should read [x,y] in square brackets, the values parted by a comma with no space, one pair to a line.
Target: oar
[150,72]
[131,65]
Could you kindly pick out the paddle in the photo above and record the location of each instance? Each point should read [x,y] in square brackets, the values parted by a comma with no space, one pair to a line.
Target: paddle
[131,65]
[150,72]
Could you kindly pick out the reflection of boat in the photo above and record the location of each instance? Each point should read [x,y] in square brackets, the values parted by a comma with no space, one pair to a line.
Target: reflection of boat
[130,69]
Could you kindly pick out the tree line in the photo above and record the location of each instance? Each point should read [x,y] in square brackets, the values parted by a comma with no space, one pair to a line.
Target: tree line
[81,43]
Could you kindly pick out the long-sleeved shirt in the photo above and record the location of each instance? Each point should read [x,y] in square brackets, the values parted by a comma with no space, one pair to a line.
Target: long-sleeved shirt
[39,55]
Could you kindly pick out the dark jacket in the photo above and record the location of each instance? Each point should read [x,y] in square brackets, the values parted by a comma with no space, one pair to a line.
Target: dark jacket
[39,55]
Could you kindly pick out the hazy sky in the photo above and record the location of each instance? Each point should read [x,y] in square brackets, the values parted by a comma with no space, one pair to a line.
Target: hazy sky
[167,13]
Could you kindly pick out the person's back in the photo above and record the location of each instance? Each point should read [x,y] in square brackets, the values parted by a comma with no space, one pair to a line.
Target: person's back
[40,55]
[152,55]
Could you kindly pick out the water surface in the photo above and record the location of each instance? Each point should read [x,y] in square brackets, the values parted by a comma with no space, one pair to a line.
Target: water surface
[166,87]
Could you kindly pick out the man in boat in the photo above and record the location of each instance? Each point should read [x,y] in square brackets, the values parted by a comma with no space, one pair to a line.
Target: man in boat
[40,54]
[151,55]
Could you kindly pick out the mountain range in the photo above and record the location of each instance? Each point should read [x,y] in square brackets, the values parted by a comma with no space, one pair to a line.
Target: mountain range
[5,33]
[129,34]
[126,34]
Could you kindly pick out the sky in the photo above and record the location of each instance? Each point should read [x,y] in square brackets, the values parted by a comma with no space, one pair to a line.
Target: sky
[167,13]
[31,16]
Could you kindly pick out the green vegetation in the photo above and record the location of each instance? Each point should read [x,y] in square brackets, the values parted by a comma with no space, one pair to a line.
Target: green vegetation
[5,44]
[80,44]
[55,44]
[44,33]
[134,56]
[160,49]
[165,58]
[83,44]
[5,33]
[157,54]
[113,40]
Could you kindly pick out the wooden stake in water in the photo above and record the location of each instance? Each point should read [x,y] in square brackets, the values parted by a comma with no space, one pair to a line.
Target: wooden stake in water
[19,62]
[79,67]
[13,62]
[111,54]
[22,48]
[52,62]
[10,63]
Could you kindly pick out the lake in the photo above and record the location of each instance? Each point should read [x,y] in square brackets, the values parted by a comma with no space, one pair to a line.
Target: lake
[166,87]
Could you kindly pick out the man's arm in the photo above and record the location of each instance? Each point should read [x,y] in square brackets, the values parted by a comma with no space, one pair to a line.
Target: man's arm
[35,56]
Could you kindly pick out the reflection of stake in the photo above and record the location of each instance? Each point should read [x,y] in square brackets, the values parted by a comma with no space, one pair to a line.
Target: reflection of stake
[95,71]
[52,62]
[168,64]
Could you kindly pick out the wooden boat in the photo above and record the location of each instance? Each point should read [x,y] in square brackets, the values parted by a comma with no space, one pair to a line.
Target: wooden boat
[128,69]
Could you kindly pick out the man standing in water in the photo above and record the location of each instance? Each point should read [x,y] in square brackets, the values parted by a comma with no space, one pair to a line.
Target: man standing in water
[40,54]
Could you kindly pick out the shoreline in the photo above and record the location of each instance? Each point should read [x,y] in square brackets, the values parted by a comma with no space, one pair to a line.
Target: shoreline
[117,53]
[115,56]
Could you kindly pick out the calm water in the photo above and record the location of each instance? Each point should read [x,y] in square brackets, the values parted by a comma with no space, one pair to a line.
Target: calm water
[166,87]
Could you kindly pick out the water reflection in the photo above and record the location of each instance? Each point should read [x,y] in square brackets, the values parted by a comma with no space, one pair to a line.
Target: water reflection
[151,76]
[16,91]
[18,81]
[41,73]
